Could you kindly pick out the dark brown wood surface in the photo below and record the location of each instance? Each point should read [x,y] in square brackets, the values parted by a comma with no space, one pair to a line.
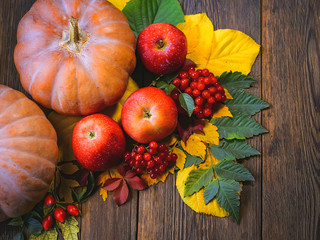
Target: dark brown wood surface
[284,201]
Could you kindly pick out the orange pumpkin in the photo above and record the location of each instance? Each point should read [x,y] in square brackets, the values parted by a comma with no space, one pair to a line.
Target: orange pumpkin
[28,153]
[75,56]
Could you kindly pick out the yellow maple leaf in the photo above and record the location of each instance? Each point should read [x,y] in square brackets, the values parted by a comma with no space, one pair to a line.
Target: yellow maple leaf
[119,3]
[149,181]
[170,140]
[194,146]
[221,110]
[220,50]
[210,135]
[181,157]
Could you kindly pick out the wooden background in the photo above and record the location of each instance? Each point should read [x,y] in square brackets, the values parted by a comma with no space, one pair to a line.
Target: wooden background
[284,201]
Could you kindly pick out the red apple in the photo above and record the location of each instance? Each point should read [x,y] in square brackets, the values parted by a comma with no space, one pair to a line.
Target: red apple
[149,115]
[98,142]
[162,48]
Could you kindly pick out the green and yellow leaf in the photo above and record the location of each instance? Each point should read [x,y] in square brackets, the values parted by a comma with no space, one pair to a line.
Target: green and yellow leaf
[69,228]
[51,234]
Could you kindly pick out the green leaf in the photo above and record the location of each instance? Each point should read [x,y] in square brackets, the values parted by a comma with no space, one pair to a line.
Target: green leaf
[47,210]
[241,126]
[162,84]
[18,236]
[232,150]
[197,179]
[228,198]
[169,89]
[186,102]
[18,221]
[245,102]
[192,160]
[231,80]
[34,226]
[211,191]
[69,228]
[168,77]
[51,234]
[232,170]
[142,13]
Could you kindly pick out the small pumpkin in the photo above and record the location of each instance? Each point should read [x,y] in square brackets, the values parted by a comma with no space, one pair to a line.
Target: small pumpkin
[28,153]
[75,56]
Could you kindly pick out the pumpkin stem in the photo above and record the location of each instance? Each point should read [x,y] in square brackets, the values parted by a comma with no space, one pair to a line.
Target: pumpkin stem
[74,38]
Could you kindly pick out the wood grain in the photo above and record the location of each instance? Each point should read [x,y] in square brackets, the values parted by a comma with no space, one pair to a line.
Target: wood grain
[284,201]
[291,166]
[161,206]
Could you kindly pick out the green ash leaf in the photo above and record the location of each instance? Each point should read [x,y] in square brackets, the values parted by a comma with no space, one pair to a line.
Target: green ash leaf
[231,80]
[142,13]
[197,179]
[228,198]
[18,236]
[186,102]
[18,221]
[232,170]
[245,102]
[241,126]
[232,150]
[211,191]
[192,160]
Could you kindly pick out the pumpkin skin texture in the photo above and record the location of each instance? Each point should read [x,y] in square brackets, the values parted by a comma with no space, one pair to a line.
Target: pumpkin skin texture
[28,153]
[75,56]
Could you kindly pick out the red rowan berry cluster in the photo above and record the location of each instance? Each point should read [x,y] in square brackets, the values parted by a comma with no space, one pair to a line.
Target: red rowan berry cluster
[154,159]
[202,86]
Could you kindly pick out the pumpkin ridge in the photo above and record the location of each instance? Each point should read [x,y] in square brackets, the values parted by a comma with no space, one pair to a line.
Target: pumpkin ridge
[5,91]
[51,142]
[92,78]
[22,119]
[29,174]
[12,105]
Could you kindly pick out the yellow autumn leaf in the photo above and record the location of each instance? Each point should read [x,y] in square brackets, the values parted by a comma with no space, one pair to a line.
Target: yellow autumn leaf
[50,234]
[220,50]
[69,228]
[170,140]
[181,157]
[228,95]
[194,146]
[221,110]
[199,32]
[210,135]
[232,50]
[119,3]
[149,181]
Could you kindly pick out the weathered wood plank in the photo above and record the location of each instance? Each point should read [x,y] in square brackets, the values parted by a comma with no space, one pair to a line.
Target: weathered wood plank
[162,214]
[291,156]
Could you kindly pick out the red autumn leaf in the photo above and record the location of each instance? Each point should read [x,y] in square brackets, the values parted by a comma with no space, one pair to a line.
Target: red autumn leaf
[123,169]
[187,126]
[136,183]
[111,184]
[82,177]
[130,174]
[188,63]
[120,195]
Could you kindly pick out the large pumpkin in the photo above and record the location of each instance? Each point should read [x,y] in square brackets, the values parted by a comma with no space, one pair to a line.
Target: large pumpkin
[75,56]
[28,153]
